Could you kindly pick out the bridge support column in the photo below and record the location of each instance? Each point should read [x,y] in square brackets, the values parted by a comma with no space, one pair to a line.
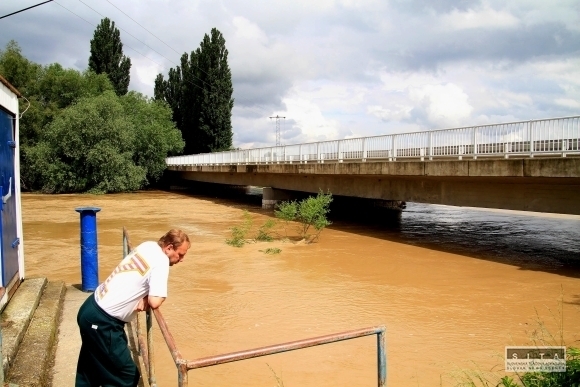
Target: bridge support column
[272,196]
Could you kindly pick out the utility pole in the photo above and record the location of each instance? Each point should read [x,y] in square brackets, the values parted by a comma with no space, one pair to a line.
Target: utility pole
[278,129]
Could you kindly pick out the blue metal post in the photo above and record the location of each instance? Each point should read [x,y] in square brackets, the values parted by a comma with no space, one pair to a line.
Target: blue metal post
[89,253]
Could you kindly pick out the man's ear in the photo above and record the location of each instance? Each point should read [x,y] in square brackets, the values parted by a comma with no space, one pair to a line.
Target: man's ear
[167,248]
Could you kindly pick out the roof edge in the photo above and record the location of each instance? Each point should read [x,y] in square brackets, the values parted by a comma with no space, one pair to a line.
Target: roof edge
[8,85]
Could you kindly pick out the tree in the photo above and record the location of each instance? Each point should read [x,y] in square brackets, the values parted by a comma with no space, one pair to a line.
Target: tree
[89,147]
[103,144]
[215,99]
[18,70]
[48,91]
[156,137]
[199,92]
[107,56]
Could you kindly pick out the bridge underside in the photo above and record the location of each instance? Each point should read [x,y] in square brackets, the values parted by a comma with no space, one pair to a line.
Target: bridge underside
[525,185]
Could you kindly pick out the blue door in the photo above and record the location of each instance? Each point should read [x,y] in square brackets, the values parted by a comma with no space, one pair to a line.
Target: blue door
[9,241]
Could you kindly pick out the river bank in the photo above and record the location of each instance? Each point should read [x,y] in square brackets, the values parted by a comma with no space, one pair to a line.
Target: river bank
[444,311]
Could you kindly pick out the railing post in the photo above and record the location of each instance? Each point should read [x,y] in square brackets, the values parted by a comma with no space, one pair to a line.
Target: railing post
[381,359]
[430,145]
[364,149]
[339,151]
[182,375]
[474,141]
[149,324]
[531,137]
[563,141]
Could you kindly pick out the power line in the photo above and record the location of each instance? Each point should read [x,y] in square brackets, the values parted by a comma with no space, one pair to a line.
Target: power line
[25,9]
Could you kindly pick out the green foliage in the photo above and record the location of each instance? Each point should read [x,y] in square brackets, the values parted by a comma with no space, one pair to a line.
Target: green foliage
[156,135]
[271,251]
[18,70]
[103,144]
[569,378]
[89,147]
[239,233]
[506,381]
[199,92]
[77,135]
[310,213]
[264,232]
[107,56]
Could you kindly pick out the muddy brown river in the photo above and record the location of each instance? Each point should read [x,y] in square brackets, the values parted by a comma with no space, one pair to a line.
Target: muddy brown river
[453,286]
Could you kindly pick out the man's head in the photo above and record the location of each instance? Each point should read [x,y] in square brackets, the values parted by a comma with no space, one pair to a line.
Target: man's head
[174,244]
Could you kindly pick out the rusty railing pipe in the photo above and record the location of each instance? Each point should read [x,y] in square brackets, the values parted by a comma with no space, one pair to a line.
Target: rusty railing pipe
[285,347]
[177,358]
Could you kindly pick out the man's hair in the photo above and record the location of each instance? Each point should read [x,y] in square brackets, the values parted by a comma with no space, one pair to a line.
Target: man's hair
[173,237]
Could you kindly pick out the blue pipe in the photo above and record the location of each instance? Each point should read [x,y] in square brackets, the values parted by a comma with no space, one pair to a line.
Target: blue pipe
[89,253]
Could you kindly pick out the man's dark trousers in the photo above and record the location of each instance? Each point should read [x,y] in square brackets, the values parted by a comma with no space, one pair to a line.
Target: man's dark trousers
[105,359]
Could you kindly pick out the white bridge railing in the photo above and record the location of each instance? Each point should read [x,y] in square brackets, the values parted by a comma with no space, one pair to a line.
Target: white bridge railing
[553,136]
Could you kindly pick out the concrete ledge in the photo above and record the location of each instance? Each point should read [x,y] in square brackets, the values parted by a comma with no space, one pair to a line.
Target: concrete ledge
[69,338]
[17,316]
[32,364]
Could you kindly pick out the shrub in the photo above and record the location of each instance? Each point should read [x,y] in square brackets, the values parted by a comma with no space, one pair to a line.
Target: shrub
[569,378]
[239,233]
[264,232]
[271,250]
[310,213]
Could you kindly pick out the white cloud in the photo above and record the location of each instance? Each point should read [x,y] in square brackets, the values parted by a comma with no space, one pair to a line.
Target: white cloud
[309,118]
[483,18]
[567,102]
[446,105]
[398,113]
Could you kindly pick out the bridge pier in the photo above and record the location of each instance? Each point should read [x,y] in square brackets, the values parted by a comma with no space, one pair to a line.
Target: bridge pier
[272,196]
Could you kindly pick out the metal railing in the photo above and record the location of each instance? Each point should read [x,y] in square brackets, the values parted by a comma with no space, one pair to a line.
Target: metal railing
[144,347]
[552,136]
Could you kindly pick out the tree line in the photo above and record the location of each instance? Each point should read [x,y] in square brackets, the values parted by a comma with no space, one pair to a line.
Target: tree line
[83,131]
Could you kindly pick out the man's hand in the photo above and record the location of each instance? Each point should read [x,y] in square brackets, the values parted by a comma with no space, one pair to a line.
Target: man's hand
[142,305]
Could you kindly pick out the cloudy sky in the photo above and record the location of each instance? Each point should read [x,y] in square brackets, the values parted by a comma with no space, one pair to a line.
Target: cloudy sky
[338,68]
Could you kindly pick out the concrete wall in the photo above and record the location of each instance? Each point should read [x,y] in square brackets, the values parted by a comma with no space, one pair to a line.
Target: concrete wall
[544,185]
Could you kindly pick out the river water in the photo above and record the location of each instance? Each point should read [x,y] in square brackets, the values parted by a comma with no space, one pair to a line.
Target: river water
[453,286]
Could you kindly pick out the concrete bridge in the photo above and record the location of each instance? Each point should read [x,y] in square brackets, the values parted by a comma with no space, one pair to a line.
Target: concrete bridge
[528,165]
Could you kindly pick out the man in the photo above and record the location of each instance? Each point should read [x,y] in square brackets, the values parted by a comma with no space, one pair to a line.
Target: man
[139,282]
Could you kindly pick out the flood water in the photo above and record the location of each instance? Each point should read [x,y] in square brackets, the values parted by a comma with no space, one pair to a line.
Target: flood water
[453,286]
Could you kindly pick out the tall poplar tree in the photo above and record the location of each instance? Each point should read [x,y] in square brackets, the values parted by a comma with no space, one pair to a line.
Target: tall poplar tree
[107,56]
[199,92]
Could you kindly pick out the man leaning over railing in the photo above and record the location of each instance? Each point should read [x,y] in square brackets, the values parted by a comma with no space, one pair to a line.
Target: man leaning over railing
[139,282]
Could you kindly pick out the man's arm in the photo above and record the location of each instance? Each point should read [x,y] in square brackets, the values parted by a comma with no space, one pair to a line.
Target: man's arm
[155,302]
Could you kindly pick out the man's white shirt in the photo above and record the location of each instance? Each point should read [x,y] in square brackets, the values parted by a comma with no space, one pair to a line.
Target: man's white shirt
[143,272]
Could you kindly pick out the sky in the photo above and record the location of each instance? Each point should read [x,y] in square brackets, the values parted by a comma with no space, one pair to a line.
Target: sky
[337,69]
